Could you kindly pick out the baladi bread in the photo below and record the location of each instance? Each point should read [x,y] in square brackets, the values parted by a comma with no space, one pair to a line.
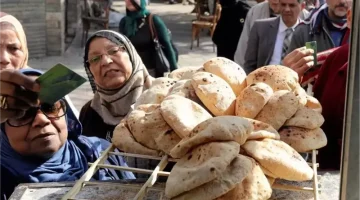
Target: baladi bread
[252,99]
[303,140]
[185,89]
[271,180]
[228,70]
[204,164]
[306,118]
[276,76]
[262,130]
[161,81]
[146,123]
[167,141]
[179,73]
[124,140]
[182,114]
[301,94]
[280,159]
[156,93]
[281,106]
[254,187]
[234,174]
[189,74]
[313,103]
[215,93]
[223,128]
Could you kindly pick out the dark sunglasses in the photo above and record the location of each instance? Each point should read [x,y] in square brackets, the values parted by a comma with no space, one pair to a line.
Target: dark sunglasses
[54,111]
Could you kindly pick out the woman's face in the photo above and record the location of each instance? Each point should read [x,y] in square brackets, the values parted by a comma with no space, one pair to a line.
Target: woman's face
[11,55]
[129,5]
[43,137]
[109,64]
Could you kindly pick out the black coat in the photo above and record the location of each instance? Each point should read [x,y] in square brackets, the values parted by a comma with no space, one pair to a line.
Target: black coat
[230,25]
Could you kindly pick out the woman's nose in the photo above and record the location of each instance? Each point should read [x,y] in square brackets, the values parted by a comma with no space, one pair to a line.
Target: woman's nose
[40,120]
[105,60]
[4,58]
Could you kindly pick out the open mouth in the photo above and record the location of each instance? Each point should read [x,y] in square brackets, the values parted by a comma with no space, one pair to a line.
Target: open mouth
[111,71]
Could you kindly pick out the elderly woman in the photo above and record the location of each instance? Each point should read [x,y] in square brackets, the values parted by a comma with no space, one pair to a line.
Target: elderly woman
[136,26]
[44,144]
[118,77]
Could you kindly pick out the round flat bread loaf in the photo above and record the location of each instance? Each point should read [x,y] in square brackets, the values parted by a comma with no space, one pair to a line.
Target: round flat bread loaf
[167,141]
[276,76]
[189,74]
[156,93]
[204,164]
[301,94]
[185,89]
[234,174]
[279,158]
[179,73]
[262,130]
[228,70]
[254,187]
[252,99]
[215,93]
[182,114]
[281,106]
[303,140]
[124,140]
[146,123]
[313,103]
[306,118]
[162,81]
[223,128]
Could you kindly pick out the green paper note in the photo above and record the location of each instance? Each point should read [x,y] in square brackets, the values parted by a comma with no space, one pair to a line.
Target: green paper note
[58,82]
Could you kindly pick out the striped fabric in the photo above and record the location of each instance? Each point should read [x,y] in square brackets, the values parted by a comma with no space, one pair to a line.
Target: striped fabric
[287,41]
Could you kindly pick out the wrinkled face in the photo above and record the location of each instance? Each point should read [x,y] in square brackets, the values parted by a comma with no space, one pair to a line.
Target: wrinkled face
[275,6]
[42,136]
[338,8]
[129,5]
[290,11]
[109,63]
[11,55]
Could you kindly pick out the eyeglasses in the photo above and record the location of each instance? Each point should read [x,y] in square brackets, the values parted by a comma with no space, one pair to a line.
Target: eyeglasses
[54,111]
[112,51]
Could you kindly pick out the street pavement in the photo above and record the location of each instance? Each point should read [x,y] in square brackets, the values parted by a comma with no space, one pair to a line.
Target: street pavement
[178,19]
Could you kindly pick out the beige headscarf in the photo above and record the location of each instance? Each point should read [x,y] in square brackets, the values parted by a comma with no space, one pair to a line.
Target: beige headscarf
[114,105]
[4,17]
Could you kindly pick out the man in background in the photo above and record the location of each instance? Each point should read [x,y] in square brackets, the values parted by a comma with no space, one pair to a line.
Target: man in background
[327,26]
[269,39]
[262,10]
[330,90]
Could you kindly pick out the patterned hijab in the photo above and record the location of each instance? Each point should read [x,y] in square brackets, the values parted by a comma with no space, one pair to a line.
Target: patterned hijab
[112,105]
[9,19]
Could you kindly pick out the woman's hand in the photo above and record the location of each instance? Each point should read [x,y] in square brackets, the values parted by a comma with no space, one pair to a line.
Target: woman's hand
[299,60]
[18,93]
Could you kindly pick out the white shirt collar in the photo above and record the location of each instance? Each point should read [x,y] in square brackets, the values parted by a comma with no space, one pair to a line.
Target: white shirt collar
[283,27]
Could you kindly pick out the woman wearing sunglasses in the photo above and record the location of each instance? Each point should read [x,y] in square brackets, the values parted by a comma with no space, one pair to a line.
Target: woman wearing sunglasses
[44,143]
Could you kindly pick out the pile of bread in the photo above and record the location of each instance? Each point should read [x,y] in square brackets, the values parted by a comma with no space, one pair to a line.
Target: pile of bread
[232,133]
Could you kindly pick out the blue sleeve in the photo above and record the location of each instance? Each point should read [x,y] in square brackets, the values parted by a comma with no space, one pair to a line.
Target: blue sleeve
[99,145]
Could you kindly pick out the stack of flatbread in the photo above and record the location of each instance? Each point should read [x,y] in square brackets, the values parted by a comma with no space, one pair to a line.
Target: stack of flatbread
[233,133]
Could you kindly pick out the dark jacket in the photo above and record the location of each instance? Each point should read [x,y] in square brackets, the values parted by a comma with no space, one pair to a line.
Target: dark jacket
[144,44]
[93,124]
[230,25]
[308,32]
